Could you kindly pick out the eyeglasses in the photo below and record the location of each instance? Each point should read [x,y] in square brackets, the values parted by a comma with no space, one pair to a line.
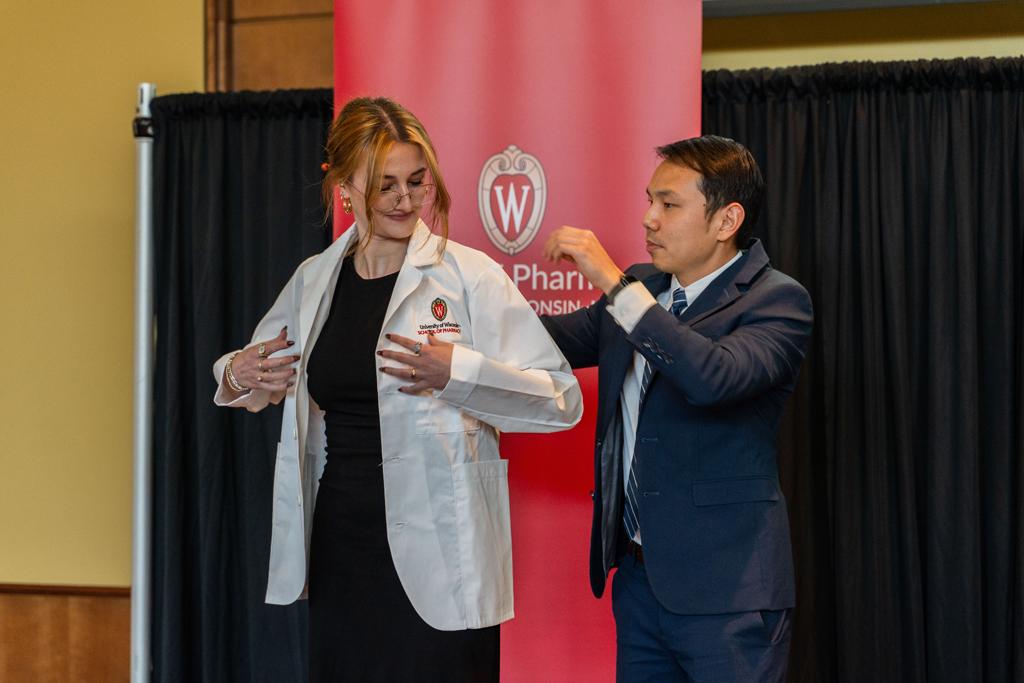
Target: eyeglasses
[388,200]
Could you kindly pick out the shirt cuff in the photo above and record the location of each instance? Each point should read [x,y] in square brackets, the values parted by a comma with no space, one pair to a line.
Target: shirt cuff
[465,374]
[223,397]
[630,305]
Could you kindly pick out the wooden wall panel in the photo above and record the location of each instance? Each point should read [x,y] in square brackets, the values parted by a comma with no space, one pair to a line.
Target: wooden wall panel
[218,45]
[250,9]
[60,638]
[286,53]
[269,44]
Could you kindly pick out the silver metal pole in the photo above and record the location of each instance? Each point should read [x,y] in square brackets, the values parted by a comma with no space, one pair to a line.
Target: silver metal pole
[142,485]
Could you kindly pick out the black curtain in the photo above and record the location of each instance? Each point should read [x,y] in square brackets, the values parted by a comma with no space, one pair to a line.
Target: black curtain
[237,208]
[894,195]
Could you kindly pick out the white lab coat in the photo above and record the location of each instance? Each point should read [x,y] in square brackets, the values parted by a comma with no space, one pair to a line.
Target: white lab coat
[445,487]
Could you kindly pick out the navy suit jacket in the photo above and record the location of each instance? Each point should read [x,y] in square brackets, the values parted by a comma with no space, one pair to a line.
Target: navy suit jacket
[712,516]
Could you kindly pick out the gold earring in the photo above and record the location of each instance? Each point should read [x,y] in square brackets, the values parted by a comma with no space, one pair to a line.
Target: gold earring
[346,204]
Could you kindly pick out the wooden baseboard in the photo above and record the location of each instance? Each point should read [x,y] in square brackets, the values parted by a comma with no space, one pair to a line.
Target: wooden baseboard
[58,589]
[64,634]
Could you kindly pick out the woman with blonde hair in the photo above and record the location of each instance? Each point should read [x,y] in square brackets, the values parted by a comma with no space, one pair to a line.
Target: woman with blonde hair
[399,356]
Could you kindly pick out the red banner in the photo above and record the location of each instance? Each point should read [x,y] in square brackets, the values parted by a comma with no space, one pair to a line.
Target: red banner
[543,114]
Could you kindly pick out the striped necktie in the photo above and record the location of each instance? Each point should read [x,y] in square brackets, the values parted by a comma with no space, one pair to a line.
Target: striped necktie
[631,515]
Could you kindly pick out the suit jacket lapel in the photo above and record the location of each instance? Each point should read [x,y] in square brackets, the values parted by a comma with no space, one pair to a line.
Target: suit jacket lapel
[729,286]
[620,353]
[712,299]
[656,283]
[725,289]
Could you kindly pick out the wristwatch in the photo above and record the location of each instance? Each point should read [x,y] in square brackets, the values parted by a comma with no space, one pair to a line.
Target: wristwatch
[624,282]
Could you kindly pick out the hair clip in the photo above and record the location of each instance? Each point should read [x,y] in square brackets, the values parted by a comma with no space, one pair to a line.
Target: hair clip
[324,166]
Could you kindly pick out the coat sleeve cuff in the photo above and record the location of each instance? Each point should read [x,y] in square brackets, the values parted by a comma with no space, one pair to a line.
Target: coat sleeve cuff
[465,375]
[253,400]
[630,305]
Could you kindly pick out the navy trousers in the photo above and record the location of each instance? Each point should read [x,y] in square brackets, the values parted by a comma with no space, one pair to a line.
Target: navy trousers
[657,645]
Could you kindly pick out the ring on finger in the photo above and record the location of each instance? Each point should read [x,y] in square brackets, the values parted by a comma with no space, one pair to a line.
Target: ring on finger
[416,348]
[260,378]
[263,350]
[260,364]
[413,378]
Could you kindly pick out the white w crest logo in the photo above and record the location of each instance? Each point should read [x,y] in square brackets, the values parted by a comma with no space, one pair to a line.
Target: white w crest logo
[511,208]
[510,212]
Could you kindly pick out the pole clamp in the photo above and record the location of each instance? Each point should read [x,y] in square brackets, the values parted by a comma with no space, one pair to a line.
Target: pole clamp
[142,127]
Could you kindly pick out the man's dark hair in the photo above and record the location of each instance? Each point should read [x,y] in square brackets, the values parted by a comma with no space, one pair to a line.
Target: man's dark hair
[728,173]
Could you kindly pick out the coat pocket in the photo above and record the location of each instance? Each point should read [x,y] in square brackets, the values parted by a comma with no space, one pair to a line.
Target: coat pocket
[485,535]
[740,490]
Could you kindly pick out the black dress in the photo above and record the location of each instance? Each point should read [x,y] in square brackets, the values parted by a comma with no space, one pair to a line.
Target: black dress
[362,626]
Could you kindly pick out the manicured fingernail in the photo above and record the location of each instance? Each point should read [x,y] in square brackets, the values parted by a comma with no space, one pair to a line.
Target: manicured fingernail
[380,353]
[387,336]
[291,384]
[291,343]
[296,358]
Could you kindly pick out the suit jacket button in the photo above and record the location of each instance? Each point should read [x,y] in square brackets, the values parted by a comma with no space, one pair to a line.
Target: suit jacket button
[591,495]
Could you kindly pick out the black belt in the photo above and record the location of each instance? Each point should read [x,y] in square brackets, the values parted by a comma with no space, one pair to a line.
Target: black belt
[636,551]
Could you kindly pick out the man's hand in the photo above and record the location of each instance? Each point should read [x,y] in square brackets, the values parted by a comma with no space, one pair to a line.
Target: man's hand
[581,248]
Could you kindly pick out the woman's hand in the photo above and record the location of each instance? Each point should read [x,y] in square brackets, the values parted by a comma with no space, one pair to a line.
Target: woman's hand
[430,363]
[254,371]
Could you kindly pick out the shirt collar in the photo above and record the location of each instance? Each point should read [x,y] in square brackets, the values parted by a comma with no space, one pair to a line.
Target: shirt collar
[695,289]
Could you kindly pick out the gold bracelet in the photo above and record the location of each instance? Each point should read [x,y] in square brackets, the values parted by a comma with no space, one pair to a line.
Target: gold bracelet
[231,377]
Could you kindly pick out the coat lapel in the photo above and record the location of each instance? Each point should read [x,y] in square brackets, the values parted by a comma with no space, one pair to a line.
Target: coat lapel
[657,282]
[422,251]
[314,288]
[314,306]
[316,299]
[729,286]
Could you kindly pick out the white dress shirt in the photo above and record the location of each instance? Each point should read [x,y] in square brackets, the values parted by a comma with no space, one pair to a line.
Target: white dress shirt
[630,305]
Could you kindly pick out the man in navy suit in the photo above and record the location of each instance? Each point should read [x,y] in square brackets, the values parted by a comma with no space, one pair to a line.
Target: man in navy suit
[697,355]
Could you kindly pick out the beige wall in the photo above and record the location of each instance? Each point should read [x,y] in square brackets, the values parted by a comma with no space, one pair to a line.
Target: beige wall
[68,72]
[988,29]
